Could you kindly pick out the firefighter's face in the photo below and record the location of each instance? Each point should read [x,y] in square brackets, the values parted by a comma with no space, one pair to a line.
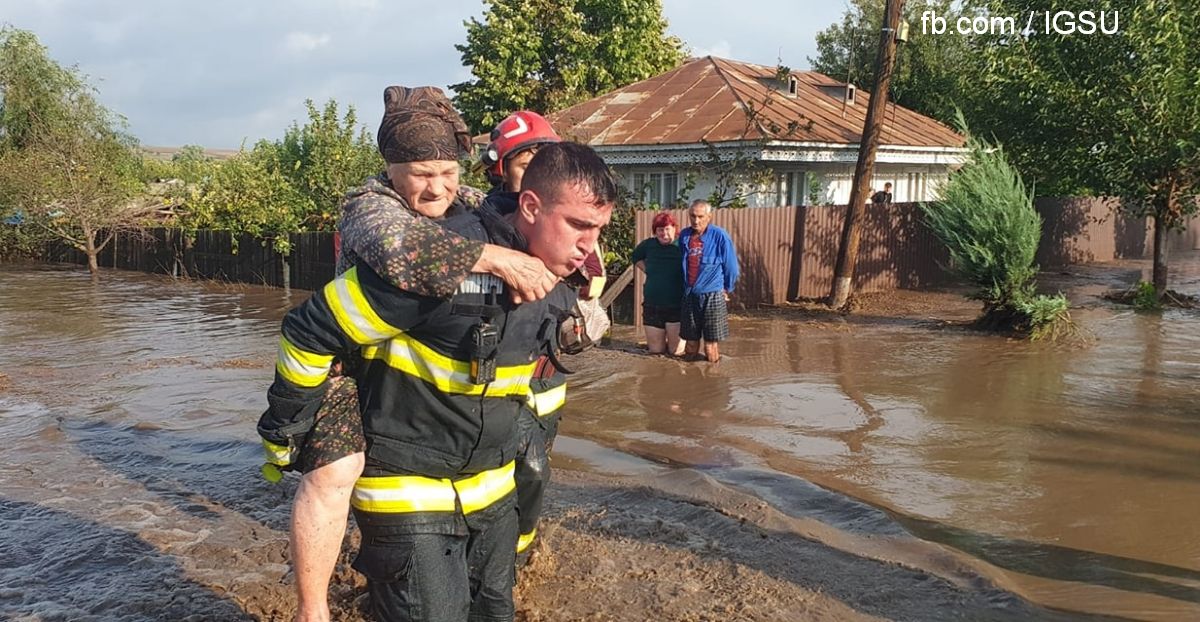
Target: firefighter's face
[514,169]
[429,186]
[562,230]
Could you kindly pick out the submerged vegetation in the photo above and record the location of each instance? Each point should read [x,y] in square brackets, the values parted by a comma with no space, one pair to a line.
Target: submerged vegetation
[988,223]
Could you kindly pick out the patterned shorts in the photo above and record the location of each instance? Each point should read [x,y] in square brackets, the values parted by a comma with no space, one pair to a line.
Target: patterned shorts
[338,431]
[704,316]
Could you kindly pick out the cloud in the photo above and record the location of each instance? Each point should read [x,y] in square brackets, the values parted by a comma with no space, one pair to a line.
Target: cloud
[112,32]
[304,42]
[720,49]
[45,5]
[357,5]
[162,70]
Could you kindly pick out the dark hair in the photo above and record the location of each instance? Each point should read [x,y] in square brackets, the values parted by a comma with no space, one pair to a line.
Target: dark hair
[559,164]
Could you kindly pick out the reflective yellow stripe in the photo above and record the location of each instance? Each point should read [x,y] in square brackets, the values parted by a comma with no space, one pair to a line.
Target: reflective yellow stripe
[548,401]
[481,490]
[525,540]
[299,367]
[403,493]
[448,375]
[411,493]
[352,311]
[595,287]
[277,454]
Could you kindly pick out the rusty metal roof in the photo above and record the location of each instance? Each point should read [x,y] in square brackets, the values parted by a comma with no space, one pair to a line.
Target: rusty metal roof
[718,100]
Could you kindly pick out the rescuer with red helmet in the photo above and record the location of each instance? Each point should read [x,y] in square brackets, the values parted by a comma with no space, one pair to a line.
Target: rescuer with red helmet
[513,143]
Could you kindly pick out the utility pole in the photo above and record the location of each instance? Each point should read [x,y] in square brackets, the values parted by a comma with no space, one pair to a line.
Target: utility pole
[843,276]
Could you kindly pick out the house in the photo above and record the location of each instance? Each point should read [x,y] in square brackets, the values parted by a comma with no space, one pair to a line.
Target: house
[768,136]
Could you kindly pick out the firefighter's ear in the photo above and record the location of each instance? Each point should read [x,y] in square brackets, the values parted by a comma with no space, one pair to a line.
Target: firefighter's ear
[529,206]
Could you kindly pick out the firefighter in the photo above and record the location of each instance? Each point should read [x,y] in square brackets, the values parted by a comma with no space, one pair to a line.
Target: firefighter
[441,387]
[388,224]
[514,142]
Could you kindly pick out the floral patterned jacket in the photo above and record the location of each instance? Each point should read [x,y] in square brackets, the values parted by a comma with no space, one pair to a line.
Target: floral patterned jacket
[407,249]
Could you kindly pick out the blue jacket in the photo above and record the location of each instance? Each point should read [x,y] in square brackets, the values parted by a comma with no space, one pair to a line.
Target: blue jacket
[718,265]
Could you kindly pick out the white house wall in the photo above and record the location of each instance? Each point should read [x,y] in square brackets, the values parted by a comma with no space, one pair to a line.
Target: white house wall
[704,186]
[910,182]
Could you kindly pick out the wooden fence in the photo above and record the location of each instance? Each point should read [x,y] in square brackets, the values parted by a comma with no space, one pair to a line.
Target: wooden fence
[219,256]
[788,253]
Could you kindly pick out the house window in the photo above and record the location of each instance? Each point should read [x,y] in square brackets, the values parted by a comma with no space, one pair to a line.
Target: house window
[660,189]
[783,188]
[791,188]
[917,187]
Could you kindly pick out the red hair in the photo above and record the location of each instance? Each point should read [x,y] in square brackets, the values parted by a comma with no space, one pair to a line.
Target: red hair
[663,219]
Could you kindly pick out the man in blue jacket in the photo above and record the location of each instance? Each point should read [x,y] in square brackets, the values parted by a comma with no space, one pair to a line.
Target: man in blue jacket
[710,269]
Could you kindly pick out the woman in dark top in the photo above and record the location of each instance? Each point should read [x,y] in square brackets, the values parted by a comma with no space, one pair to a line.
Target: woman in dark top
[662,261]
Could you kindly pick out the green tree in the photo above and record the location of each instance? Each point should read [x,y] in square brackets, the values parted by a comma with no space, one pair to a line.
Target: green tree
[545,55]
[617,238]
[327,157]
[248,193]
[280,187]
[631,42]
[35,88]
[933,72]
[1105,114]
[66,162]
[191,164]
[19,240]
[987,221]
[277,187]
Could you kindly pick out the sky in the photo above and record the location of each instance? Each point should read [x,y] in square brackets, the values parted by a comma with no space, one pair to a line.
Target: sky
[222,72]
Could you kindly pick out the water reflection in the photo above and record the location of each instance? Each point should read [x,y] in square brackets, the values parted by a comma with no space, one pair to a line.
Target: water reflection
[61,566]
[1062,563]
[1073,470]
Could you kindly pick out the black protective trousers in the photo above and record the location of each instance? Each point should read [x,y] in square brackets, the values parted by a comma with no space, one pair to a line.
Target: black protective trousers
[536,437]
[429,567]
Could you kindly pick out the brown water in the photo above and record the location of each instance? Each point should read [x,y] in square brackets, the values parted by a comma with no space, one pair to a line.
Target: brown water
[1069,475]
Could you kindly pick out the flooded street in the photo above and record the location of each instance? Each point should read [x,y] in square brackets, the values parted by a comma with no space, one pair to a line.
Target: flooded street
[1066,475]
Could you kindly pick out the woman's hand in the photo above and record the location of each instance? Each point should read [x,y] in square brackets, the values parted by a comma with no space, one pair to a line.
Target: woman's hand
[527,277]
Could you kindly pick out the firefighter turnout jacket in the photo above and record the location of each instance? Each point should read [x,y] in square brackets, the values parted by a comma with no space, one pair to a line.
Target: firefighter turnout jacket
[442,383]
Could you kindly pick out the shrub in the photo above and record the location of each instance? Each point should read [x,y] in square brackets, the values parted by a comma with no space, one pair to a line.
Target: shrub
[987,221]
[1145,297]
[248,194]
[1046,317]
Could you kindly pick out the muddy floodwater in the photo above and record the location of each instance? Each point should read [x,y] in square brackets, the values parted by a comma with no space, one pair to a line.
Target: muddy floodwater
[1062,478]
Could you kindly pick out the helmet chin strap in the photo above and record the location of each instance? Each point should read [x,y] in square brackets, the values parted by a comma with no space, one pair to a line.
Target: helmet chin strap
[571,320]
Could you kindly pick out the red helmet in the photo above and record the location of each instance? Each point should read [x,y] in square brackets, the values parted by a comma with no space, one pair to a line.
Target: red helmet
[519,131]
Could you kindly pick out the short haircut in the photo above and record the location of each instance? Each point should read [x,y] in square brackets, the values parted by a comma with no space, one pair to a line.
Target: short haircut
[560,164]
[701,203]
[663,219]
